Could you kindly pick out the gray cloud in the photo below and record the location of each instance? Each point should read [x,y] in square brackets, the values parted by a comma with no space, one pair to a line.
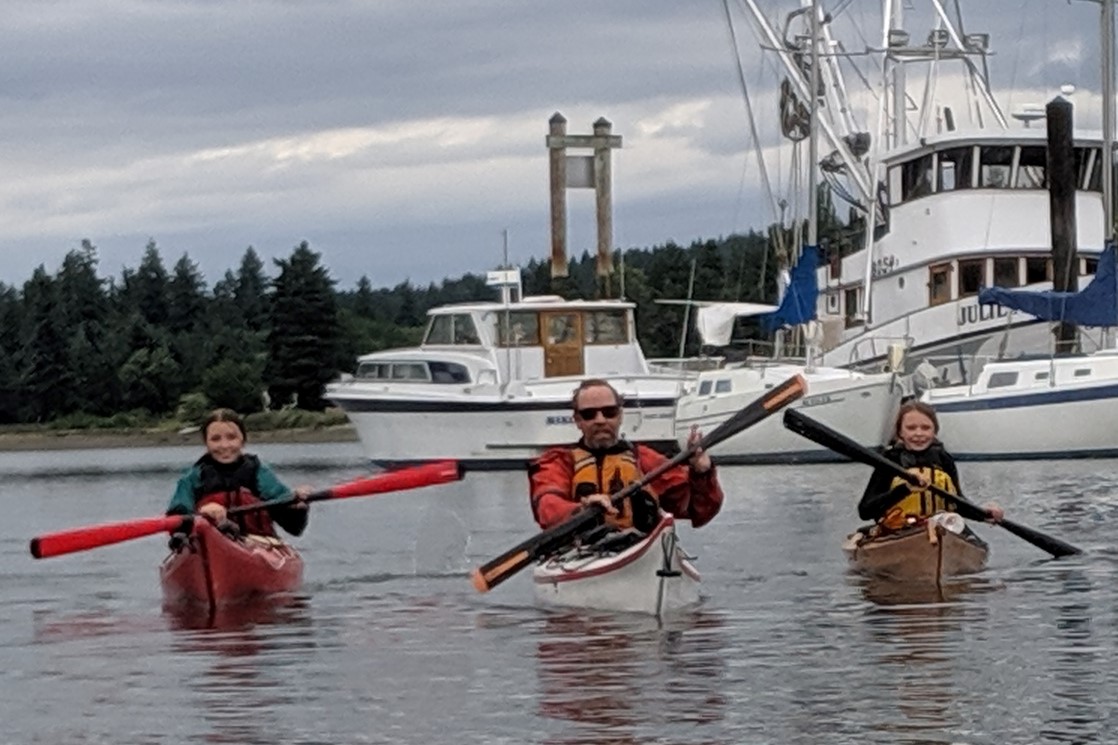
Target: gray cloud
[400,138]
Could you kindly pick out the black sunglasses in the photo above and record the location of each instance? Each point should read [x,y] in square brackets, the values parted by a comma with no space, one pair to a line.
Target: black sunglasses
[591,412]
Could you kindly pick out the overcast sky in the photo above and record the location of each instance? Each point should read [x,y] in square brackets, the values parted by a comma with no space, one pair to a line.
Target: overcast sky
[400,138]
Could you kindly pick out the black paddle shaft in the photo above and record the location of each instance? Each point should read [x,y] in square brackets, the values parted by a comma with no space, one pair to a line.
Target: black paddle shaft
[820,433]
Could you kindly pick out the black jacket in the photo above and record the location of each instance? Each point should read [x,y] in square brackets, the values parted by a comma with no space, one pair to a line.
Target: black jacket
[879,495]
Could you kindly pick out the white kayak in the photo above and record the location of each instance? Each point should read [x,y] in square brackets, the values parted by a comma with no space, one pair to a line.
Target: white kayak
[624,571]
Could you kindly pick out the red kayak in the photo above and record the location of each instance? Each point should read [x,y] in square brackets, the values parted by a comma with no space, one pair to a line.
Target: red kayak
[214,570]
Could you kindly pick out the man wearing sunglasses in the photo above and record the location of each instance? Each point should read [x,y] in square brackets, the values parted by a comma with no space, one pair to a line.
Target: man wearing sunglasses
[565,479]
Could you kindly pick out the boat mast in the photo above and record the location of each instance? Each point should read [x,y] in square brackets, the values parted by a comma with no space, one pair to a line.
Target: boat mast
[1107,49]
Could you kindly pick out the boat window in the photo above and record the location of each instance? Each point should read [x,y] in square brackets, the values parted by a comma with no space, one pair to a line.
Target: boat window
[704,388]
[939,284]
[448,372]
[1007,272]
[1088,173]
[916,178]
[1083,372]
[562,328]
[605,327]
[955,168]
[525,327]
[439,331]
[373,370]
[1002,379]
[409,371]
[1037,269]
[850,300]
[993,167]
[972,276]
[464,330]
[1041,376]
[722,386]
[1031,168]
[1090,266]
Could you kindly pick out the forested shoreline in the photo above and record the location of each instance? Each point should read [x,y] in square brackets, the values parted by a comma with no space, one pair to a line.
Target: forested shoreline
[79,350]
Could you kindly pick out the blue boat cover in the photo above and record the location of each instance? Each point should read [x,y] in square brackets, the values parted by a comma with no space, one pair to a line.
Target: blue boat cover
[798,304]
[1094,305]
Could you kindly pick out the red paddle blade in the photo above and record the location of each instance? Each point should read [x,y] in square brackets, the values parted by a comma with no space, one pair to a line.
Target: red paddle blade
[429,474]
[81,539]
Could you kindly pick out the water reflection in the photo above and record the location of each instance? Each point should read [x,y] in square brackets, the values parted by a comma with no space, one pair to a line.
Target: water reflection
[1076,716]
[246,650]
[914,634]
[620,678]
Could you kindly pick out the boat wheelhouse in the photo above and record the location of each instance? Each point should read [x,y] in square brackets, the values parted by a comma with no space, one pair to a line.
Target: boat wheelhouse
[964,212]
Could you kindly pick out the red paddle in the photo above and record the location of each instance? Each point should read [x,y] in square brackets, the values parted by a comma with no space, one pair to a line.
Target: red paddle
[95,536]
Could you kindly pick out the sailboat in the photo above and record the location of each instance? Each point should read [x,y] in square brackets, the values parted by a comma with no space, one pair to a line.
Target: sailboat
[862,404]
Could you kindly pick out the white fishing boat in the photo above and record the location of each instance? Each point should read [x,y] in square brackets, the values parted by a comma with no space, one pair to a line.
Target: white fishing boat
[956,206]
[1059,405]
[623,572]
[491,382]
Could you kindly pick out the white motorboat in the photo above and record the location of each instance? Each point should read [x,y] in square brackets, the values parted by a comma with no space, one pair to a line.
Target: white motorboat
[623,572]
[1059,407]
[491,383]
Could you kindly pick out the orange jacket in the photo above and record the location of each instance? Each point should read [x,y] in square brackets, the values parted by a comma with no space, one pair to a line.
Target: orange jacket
[682,492]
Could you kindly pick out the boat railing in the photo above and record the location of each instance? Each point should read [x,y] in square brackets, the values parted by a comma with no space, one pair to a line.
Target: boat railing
[674,365]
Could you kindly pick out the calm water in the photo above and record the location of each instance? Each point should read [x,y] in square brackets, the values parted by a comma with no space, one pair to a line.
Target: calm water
[390,643]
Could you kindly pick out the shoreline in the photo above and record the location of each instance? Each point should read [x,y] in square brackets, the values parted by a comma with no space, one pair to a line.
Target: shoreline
[90,439]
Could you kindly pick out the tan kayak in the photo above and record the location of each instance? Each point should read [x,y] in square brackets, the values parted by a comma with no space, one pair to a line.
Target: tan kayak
[928,552]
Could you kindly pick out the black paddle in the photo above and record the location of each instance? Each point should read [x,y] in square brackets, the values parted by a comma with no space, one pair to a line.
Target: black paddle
[547,542]
[843,445]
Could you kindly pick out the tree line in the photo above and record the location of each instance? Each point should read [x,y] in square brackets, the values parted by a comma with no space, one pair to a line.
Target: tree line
[157,343]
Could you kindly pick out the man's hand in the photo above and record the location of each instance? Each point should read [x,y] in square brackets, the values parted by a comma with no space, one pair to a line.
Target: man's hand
[700,461]
[600,499]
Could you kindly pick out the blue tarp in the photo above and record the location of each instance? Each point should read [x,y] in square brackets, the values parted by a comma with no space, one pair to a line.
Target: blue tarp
[798,305]
[1094,305]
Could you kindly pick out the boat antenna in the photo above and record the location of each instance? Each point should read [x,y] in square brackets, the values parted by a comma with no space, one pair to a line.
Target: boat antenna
[687,310]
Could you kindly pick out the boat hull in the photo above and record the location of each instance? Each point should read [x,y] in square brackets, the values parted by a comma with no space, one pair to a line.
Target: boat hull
[214,570]
[927,553]
[653,577]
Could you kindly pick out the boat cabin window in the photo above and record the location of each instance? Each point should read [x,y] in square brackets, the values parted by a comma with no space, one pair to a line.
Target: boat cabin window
[1083,372]
[453,329]
[524,325]
[1002,380]
[916,178]
[1007,272]
[1087,166]
[448,372]
[704,388]
[1037,269]
[955,167]
[1031,168]
[972,276]
[994,166]
[939,284]
[1090,266]
[605,327]
[393,371]
[1041,375]
[723,386]
[852,303]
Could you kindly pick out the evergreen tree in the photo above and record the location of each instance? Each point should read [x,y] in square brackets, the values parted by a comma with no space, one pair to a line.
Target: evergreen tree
[251,292]
[186,297]
[304,341]
[46,377]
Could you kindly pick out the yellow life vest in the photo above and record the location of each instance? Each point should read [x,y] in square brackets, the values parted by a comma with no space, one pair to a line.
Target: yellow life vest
[920,503]
[610,475]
